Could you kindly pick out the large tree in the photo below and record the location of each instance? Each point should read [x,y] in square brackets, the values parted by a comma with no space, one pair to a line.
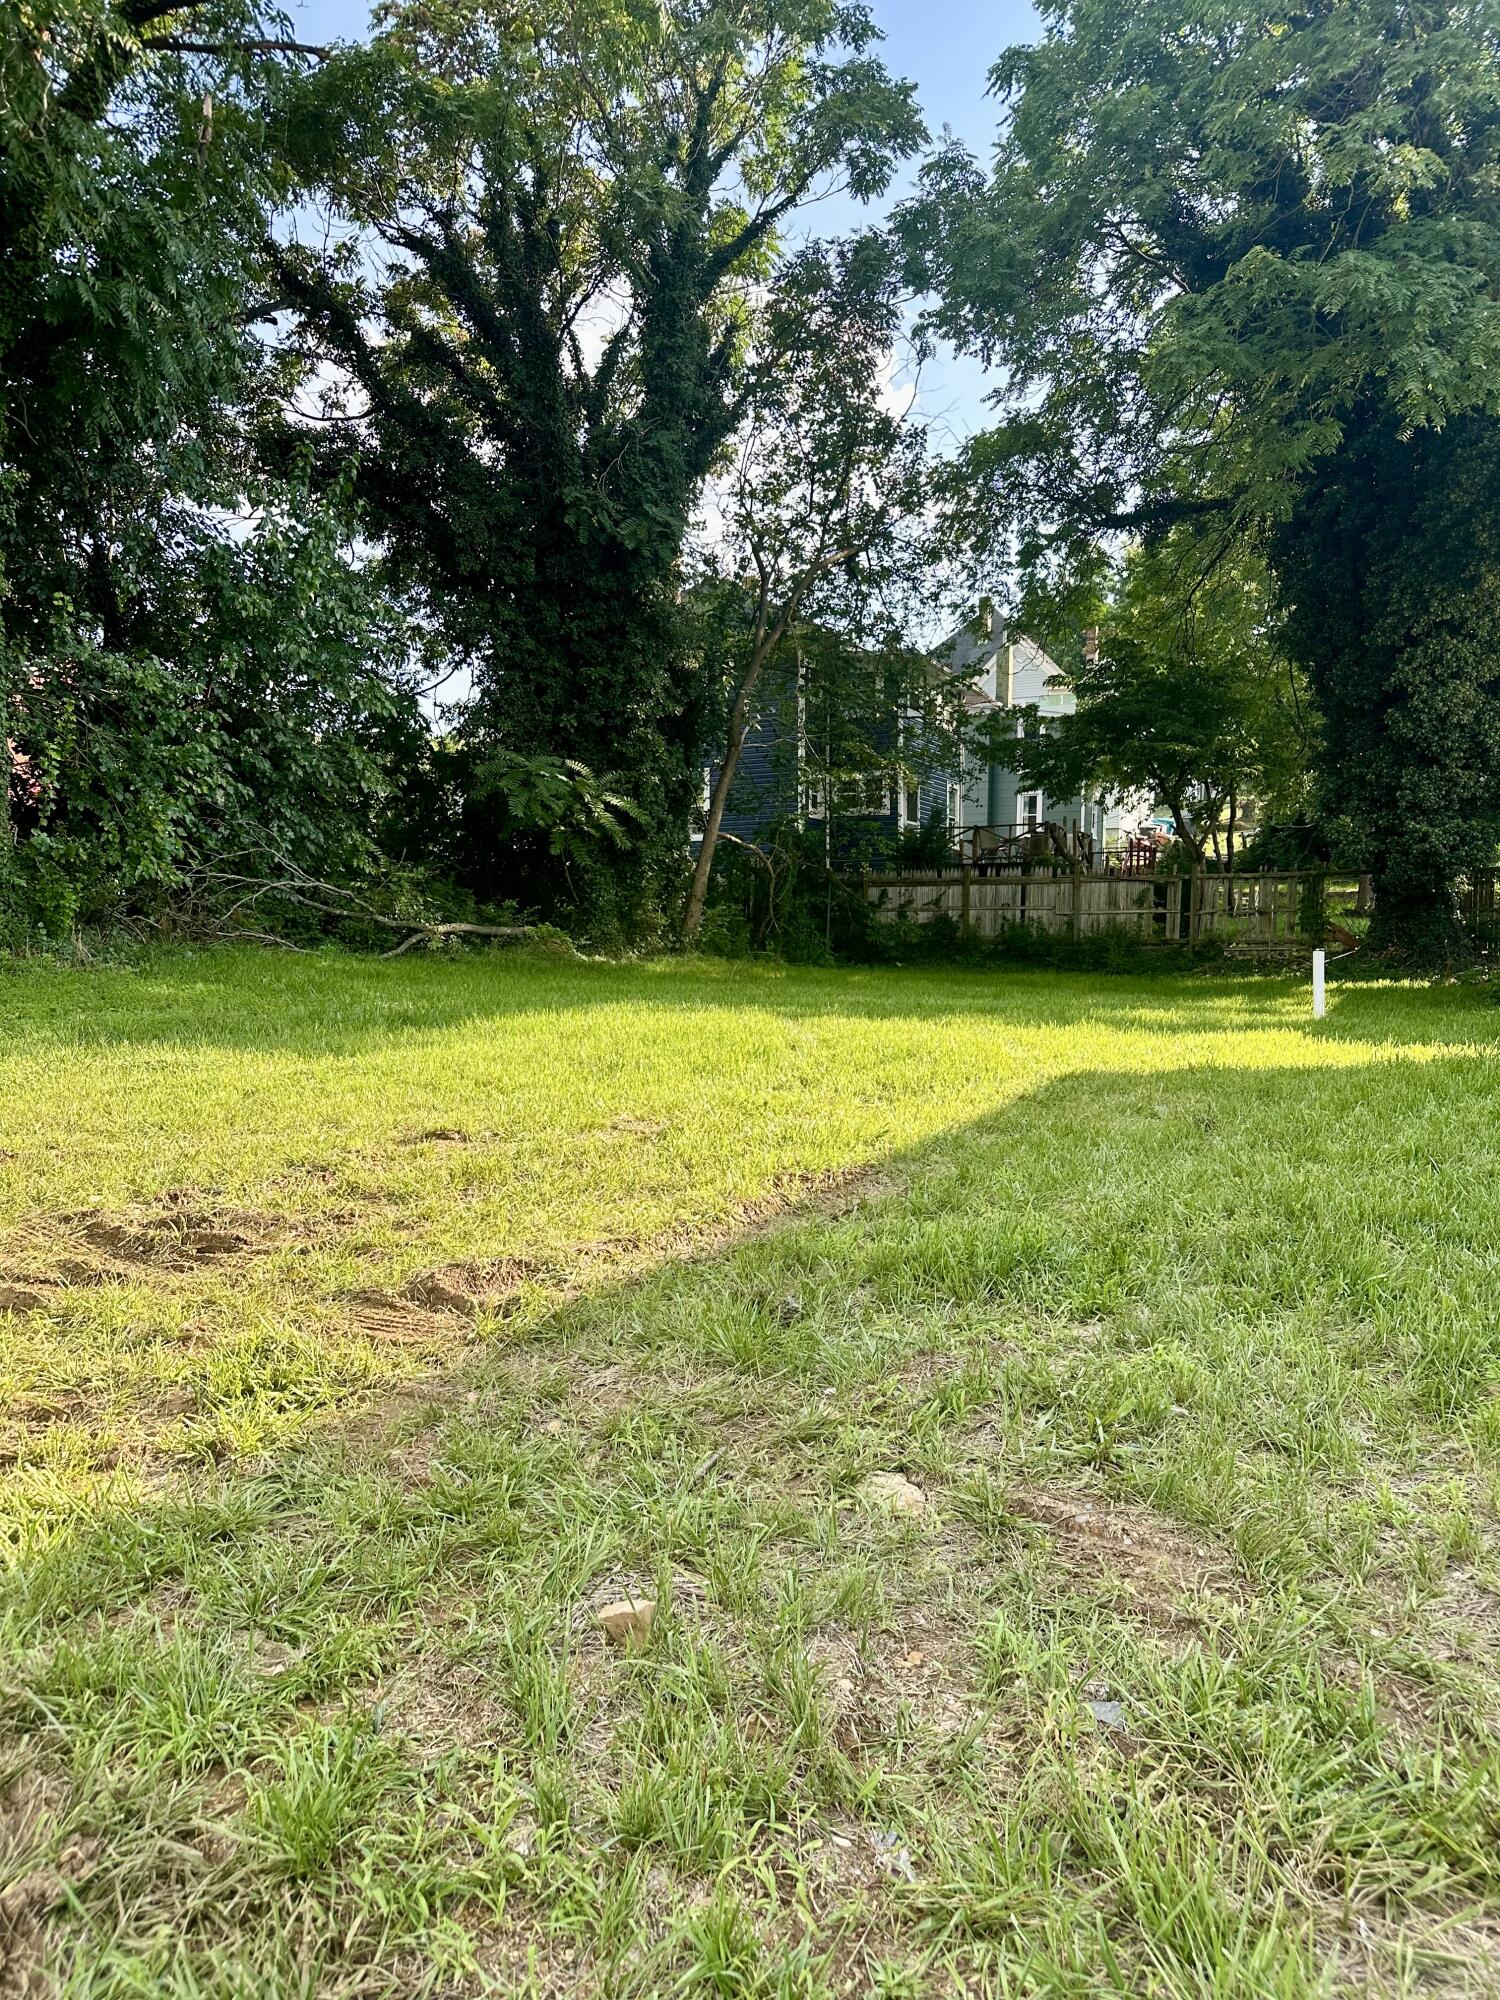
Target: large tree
[135,178]
[532,357]
[174,682]
[1231,262]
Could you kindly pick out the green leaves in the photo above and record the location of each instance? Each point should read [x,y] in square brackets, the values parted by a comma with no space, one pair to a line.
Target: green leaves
[1238,224]
[1187,698]
[566,217]
[1229,262]
[272,716]
[559,798]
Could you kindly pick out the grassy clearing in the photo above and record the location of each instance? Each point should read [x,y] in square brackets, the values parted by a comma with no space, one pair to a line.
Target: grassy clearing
[366,1327]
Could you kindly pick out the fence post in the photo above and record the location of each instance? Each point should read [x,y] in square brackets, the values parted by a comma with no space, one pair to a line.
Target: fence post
[1075,928]
[963,900]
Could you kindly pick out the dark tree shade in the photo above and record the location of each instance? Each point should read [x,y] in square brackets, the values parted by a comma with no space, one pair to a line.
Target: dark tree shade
[1392,565]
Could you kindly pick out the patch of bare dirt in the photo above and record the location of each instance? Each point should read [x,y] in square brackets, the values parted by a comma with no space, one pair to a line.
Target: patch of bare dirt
[466,1290]
[922,1673]
[830,1191]
[444,1706]
[390,1322]
[426,1305]
[181,1232]
[472,1287]
[33,1879]
[1156,1562]
[177,1232]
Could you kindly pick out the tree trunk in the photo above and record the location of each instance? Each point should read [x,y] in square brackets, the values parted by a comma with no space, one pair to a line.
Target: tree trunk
[1391,564]
[767,640]
[1189,839]
[718,799]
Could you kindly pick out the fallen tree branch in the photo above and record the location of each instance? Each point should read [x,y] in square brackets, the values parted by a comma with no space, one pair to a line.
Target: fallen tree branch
[453,930]
[330,899]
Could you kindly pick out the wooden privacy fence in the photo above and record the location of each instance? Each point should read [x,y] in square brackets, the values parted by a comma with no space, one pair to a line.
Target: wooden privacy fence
[1477,905]
[1248,913]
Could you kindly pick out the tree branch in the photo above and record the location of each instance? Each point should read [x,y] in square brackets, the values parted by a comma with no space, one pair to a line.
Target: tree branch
[175,45]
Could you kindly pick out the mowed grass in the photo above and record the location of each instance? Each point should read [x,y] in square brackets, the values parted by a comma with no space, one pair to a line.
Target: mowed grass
[367,1327]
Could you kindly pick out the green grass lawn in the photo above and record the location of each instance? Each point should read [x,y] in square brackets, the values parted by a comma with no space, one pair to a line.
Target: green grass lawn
[365,1328]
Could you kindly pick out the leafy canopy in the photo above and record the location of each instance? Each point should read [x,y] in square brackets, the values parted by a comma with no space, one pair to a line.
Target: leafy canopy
[1235,265]
[1208,233]
[1187,698]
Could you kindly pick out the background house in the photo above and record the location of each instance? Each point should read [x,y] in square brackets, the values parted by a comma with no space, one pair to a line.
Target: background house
[782,768]
[791,748]
[1007,673]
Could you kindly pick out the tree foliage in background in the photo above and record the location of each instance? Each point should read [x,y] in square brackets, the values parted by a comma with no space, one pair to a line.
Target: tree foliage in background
[173,688]
[1187,698]
[1229,262]
[533,349]
[1392,567]
[819,519]
[270,721]
[135,177]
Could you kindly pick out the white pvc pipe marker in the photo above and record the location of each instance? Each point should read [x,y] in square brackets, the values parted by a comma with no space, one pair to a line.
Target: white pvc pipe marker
[1319,962]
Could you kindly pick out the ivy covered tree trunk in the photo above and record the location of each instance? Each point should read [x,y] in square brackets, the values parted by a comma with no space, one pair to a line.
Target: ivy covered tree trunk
[1392,569]
[567,216]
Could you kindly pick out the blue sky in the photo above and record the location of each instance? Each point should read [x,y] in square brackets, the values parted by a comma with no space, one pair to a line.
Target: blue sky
[945,47]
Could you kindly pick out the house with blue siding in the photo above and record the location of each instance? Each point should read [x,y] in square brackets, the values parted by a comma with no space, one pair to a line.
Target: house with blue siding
[779,777]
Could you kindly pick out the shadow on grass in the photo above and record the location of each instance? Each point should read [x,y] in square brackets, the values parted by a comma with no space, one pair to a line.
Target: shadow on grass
[1226,1293]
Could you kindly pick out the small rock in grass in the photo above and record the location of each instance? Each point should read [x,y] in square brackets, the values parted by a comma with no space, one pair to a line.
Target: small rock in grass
[1108,1714]
[891,1857]
[628,1621]
[894,1491]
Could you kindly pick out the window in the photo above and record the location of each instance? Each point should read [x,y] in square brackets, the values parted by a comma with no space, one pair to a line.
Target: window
[955,807]
[863,797]
[911,804]
[1029,811]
